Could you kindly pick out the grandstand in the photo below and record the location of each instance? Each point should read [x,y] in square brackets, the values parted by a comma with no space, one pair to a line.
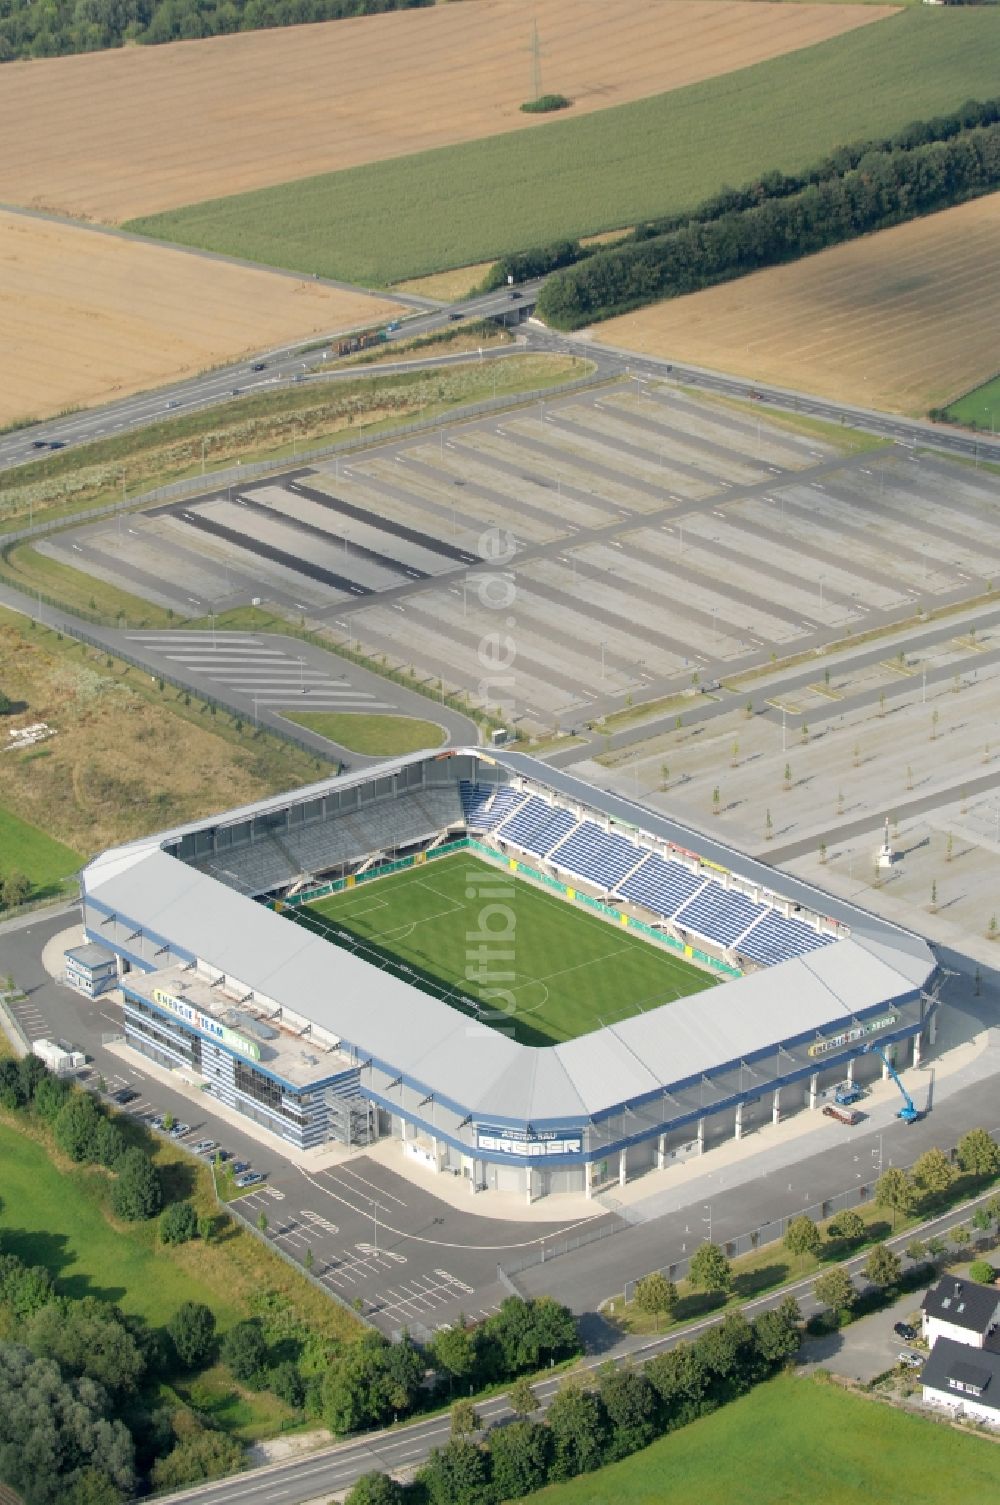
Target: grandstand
[807,981]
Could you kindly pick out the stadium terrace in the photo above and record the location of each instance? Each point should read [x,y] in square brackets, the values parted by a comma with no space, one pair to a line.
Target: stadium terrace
[226,973]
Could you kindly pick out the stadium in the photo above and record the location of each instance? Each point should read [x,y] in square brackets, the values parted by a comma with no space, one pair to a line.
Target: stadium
[525,981]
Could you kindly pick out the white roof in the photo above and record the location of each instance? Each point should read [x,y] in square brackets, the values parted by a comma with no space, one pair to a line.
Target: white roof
[477,1069]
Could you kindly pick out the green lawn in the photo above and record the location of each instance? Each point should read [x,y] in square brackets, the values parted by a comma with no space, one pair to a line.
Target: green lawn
[471,203]
[55,1219]
[572,972]
[979,408]
[26,849]
[794,1441]
[378,736]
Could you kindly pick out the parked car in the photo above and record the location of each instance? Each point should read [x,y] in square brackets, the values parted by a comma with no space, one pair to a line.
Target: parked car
[223,1155]
[156,1122]
[179,1130]
[124,1095]
[905,1331]
[248,1178]
[911,1360]
[204,1146]
[239,1166]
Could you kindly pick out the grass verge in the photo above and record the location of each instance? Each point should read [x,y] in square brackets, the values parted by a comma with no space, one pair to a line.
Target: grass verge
[580,176]
[375,736]
[45,862]
[791,1440]
[979,408]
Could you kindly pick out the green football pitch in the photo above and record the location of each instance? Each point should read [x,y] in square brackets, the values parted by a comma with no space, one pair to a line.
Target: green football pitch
[526,962]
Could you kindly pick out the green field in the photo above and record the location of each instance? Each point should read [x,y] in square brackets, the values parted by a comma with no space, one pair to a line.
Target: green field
[55,1219]
[470,203]
[572,972]
[26,849]
[979,408]
[376,736]
[794,1441]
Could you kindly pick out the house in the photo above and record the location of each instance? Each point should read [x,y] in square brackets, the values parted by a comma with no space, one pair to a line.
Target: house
[963,1312]
[964,1379]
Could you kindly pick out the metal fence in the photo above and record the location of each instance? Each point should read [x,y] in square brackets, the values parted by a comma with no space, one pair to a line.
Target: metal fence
[12,1025]
[554,1247]
[236,475]
[235,1211]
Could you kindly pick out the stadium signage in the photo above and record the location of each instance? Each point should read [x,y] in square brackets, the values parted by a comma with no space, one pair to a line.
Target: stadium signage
[527,1141]
[847,1037]
[206,1024]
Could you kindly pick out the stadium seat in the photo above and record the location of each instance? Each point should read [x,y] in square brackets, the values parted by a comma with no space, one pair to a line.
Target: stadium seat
[777,939]
[661,886]
[590,853]
[719,914]
[535,826]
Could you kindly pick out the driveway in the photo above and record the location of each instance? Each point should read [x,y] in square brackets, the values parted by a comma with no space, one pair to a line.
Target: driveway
[868,1347]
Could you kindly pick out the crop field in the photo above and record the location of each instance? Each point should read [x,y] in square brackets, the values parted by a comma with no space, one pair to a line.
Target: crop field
[572,971]
[577,177]
[88,317]
[111,135]
[903,320]
[795,1440]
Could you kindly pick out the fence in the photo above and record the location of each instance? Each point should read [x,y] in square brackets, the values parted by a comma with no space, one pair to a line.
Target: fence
[235,1211]
[235,475]
[12,1025]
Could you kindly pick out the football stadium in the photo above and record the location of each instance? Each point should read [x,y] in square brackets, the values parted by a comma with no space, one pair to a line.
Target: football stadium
[521,979]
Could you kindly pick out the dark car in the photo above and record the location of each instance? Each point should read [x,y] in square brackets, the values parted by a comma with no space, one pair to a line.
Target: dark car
[239,1166]
[515,295]
[259,366]
[905,1331]
[456,316]
[124,1095]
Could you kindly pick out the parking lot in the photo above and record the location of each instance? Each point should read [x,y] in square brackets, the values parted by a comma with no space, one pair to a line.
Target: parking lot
[653,535]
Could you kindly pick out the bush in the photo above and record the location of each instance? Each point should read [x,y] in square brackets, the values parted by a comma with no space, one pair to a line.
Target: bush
[178,1223]
[204,1455]
[288,1385]
[982,1271]
[545,103]
[76,1127]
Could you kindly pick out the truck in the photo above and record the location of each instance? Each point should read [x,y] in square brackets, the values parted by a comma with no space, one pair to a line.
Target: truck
[363,340]
[59,1058]
[849,1116]
[847,1093]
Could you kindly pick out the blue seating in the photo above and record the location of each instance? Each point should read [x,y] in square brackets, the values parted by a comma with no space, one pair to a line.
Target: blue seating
[719,914]
[661,886]
[776,939]
[535,826]
[480,815]
[591,853]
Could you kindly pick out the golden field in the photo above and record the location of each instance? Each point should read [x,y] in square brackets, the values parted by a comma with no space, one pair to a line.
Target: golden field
[113,135]
[906,319]
[87,316]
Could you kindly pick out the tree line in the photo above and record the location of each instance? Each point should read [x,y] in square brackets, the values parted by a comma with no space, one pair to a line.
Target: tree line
[588,1426]
[53,28]
[779,218]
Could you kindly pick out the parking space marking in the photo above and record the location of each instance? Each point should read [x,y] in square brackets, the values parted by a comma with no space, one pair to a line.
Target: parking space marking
[346,1170]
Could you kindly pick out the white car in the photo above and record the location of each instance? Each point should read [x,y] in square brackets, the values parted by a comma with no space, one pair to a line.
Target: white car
[911,1360]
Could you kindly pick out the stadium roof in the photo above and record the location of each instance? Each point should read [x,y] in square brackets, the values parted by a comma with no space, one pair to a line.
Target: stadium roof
[471,1066]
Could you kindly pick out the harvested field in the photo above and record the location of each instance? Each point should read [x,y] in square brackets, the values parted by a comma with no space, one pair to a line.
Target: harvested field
[85,316]
[112,135]
[905,320]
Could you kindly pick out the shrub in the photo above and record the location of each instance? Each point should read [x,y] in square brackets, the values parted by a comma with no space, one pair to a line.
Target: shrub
[244,1351]
[76,1127]
[178,1223]
[136,1194]
[982,1271]
[192,1330]
[545,103]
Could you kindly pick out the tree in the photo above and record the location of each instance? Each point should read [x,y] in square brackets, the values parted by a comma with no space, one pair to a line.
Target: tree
[109,1143]
[656,1295]
[961,1235]
[579,1431]
[375,1489]
[286,1380]
[979,1154]
[457,1474]
[933,1173]
[192,1330]
[835,1289]
[982,1271]
[521,1453]
[50,1096]
[88,1337]
[629,1402]
[680,1380]
[53,1430]
[847,1225]
[202,1455]
[15,889]
[777,1332]
[178,1223]
[895,1189]
[710,1269]
[244,1351]
[883,1266]
[135,1192]
[262,1223]
[76,1127]
[802,1237]
[730,1356]
[453,1351]
[521,1397]
[465,1419]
